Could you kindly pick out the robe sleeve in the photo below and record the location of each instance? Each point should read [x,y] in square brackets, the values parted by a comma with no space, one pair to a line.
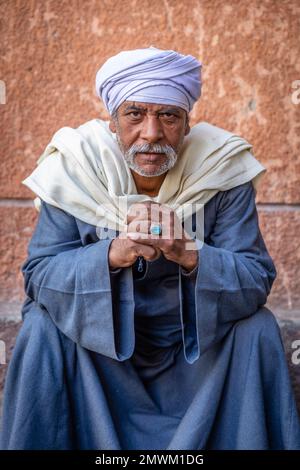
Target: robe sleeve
[90,304]
[234,276]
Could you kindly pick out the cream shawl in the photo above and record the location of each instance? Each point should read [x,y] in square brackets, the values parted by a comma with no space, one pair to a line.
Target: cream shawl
[83,172]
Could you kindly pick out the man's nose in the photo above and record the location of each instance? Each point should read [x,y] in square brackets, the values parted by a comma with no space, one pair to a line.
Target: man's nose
[151,130]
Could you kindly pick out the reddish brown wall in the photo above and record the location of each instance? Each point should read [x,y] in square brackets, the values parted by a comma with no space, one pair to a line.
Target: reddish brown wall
[51,50]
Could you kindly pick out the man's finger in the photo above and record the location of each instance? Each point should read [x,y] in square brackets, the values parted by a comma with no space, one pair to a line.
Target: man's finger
[146,239]
[148,252]
[139,210]
[142,211]
[139,226]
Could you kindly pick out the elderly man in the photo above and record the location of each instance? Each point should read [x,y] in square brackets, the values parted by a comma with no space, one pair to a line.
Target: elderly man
[145,328]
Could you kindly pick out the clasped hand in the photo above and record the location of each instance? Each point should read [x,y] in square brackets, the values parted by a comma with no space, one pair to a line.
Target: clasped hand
[173,243]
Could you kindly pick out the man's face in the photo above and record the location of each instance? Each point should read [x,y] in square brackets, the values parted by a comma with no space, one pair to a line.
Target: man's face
[150,135]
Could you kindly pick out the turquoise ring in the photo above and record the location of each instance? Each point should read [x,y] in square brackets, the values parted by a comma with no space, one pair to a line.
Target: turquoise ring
[155,229]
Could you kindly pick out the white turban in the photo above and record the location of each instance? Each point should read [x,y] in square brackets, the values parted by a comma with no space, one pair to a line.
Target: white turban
[149,75]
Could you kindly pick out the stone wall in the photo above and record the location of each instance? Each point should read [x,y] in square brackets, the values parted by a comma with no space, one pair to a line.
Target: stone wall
[51,51]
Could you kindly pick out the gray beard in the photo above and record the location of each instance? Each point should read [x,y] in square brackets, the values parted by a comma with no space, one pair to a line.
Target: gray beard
[130,155]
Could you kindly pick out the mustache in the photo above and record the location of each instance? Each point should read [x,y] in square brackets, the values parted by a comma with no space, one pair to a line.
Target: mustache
[151,148]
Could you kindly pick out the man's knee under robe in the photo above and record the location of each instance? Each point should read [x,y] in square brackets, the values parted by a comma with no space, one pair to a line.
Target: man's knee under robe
[155,360]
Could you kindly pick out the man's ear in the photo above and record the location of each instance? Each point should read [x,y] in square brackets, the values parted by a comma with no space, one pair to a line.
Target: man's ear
[187,126]
[112,125]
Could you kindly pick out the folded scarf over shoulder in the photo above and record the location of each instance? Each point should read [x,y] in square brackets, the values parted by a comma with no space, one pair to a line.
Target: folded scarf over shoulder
[83,172]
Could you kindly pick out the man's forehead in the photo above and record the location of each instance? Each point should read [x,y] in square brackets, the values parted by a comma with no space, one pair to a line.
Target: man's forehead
[149,106]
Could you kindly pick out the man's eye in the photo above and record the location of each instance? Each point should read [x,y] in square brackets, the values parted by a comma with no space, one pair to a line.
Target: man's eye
[134,114]
[168,116]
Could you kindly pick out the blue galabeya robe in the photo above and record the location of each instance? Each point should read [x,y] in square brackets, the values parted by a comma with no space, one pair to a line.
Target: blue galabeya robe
[155,359]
